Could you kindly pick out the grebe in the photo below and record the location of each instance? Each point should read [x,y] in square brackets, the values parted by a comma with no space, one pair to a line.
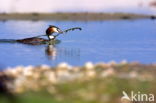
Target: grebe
[36,40]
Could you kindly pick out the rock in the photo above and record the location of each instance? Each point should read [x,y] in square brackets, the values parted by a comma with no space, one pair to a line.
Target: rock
[89,65]
[108,72]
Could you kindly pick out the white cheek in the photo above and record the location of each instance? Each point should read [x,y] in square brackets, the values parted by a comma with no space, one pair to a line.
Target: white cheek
[51,37]
[55,30]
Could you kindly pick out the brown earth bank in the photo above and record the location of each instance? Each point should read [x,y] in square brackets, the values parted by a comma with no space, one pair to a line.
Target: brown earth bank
[73,16]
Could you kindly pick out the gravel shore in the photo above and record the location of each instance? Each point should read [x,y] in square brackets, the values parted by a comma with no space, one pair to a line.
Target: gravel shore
[91,83]
[41,76]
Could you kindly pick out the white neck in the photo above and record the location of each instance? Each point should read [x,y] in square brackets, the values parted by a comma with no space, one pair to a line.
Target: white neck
[51,36]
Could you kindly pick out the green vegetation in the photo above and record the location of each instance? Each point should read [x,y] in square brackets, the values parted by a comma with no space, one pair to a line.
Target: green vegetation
[106,90]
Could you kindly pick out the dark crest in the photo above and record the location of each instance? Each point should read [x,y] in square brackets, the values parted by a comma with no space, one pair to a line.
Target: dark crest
[53,26]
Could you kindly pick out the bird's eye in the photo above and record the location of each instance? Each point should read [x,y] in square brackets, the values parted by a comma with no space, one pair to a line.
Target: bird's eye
[58,29]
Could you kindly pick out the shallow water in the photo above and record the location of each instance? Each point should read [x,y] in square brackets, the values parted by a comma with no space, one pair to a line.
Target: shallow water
[131,40]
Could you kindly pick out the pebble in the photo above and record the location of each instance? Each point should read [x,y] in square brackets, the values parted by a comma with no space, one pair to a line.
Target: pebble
[89,65]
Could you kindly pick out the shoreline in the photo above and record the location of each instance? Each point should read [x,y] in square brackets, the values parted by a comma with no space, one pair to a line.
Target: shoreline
[86,82]
[73,16]
[67,73]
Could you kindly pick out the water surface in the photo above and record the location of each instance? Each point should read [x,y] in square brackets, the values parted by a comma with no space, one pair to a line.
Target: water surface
[99,41]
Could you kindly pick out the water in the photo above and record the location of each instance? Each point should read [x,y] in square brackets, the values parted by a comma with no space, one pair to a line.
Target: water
[99,41]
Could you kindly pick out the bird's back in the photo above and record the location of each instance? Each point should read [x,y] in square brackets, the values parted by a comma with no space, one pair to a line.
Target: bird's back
[33,40]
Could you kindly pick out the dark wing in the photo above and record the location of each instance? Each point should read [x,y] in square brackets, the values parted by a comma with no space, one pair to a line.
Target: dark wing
[31,40]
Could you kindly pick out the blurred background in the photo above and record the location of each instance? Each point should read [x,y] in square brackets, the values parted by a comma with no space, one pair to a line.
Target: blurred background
[48,6]
[85,66]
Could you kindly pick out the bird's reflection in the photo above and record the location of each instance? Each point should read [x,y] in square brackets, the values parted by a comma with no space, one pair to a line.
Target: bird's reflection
[51,52]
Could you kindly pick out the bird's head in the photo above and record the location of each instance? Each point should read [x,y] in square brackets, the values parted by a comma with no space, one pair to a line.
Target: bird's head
[52,29]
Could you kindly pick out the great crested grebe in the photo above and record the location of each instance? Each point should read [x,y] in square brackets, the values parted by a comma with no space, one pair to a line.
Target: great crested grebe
[36,40]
